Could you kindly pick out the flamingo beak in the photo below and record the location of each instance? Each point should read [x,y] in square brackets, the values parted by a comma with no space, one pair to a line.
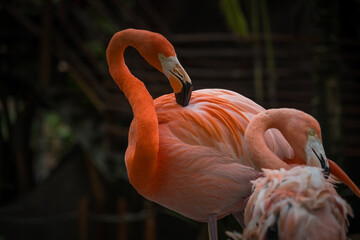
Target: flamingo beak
[343,177]
[316,155]
[178,78]
[182,85]
[321,159]
[184,96]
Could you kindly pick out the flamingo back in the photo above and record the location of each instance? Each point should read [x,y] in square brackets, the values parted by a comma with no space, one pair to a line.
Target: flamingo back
[217,118]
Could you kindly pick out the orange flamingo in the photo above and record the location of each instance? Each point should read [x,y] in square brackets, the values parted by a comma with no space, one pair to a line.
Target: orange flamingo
[190,156]
[296,204]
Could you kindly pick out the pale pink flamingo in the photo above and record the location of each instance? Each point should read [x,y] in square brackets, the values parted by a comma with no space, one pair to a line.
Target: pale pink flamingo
[296,204]
[190,156]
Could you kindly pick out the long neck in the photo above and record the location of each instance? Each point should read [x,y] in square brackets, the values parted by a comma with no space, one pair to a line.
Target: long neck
[258,152]
[140,161]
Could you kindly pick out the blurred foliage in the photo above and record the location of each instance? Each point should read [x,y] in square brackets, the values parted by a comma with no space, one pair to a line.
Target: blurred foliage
[51,139]
[235,17]
[96,48]
[105,25]
[260,25]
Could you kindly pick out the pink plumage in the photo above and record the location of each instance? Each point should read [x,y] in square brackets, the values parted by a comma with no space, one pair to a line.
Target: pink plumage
[205,142]
[297,204]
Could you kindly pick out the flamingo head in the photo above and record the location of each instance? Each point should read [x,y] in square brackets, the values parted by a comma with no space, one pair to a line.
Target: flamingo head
[307,142]
[305,138]
[178,78]
[315,153]
[162,56]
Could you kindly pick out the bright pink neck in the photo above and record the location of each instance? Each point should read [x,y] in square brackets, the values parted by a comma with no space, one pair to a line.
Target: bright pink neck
[258,152]
[141,158]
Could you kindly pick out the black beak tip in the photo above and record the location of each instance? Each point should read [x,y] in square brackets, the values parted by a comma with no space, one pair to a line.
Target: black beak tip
[183,97]
[326,171]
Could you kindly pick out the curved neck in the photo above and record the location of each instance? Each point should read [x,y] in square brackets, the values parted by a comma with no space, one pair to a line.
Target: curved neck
[141,160]
[258,152]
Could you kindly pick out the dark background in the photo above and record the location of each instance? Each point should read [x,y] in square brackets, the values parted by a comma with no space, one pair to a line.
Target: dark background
[64,122]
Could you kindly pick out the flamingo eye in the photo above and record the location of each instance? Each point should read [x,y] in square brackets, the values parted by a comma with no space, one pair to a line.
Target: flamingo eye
[161,56]
[312,132]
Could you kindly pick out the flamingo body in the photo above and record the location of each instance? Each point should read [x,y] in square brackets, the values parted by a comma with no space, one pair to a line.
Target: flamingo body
[202,167]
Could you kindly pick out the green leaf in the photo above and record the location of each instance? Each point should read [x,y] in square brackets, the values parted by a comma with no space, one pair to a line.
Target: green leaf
[235,17]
